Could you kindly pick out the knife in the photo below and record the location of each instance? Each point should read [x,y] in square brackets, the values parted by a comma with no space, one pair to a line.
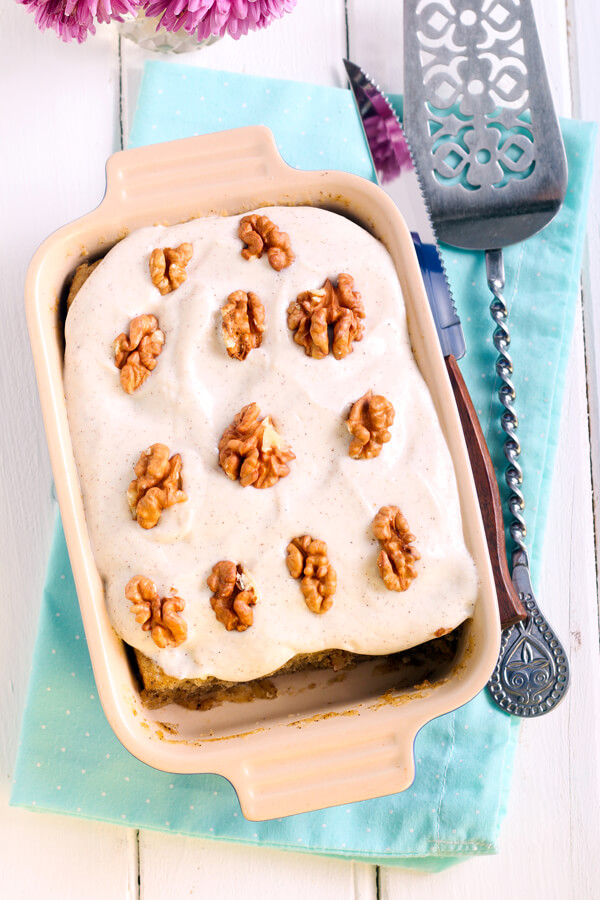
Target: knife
[397,176]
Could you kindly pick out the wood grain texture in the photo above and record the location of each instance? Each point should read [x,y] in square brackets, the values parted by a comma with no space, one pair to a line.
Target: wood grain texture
[375,41]
[54,158]
[583,23]
[511,608]
[210,870]
[548,840]
[308,45]
[292,48]
[48,857]
[61,120]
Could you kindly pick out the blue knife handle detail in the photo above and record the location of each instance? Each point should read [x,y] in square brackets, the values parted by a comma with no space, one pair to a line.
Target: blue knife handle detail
[446,320]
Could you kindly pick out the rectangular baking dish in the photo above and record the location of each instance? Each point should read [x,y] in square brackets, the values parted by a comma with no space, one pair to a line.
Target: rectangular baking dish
[324,740]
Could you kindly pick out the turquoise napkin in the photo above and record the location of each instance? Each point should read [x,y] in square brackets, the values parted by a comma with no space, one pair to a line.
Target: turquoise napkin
[69,760]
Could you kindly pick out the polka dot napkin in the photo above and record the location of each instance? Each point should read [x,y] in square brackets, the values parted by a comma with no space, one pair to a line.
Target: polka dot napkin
[70,761]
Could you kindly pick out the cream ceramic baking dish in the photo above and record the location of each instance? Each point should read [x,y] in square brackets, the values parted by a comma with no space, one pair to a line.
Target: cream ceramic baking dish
[324,739]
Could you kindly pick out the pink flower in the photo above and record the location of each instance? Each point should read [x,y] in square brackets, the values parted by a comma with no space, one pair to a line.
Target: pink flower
[218,17]
[75,18]
[381,133]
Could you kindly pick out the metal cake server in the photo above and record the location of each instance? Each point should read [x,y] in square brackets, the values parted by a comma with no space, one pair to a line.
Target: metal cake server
[484,134]
[396,174]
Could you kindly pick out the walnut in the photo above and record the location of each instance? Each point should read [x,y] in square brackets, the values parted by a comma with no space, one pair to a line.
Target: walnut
[442,631]
[136,355]
[234,593]
[254,451]
[398,556]
[167,267]
[158,485]
[313,313]
[368,423]
[159,616]
[308,557]
[258,232]
[82,273]
[243,323]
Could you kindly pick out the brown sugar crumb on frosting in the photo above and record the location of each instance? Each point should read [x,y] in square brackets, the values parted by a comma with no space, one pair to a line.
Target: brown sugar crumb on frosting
[157,485]
[368,423]
[243,323]
[167,267]
[253,450]
[136,355]
[328,318]
[234,595]
[258,233]
[307,558]
[398,555]
[159,616]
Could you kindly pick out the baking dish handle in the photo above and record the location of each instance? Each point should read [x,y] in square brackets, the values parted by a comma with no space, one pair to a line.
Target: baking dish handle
[212,166]
[331,770]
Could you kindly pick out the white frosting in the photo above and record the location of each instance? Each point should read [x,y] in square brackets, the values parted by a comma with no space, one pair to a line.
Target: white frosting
[193,395]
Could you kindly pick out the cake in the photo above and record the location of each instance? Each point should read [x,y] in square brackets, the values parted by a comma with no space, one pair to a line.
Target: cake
[265,480]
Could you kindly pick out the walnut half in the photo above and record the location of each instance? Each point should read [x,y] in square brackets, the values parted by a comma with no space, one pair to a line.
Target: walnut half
[167,267]
[243,323]
[253,450]
[397,557]
[158,616]
[258,232]
[368,423]
[137,354]
[337,308]
[308,558]
[157,485]
[234,593]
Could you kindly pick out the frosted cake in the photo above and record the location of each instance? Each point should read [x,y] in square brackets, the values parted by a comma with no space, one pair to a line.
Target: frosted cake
[265,481]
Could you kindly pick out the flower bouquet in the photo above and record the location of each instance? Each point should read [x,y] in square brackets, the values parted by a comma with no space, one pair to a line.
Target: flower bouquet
[205,19]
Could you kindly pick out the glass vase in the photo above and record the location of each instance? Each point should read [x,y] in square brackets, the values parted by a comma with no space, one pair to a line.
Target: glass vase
[145,32]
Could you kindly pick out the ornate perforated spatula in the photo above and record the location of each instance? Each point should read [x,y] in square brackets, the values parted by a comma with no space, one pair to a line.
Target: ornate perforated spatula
[482,128]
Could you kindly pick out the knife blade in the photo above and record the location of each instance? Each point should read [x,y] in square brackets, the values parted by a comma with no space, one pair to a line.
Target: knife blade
[392,161]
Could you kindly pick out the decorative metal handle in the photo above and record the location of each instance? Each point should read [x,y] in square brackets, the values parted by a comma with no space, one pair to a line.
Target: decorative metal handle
[532,673]
[507,394]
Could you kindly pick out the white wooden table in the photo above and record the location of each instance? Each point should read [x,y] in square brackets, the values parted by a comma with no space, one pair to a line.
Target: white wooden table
[66,108]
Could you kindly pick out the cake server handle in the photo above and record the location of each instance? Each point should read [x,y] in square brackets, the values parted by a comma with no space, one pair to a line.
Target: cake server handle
[532,673]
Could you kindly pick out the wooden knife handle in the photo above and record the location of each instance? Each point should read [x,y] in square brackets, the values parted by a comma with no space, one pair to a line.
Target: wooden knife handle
[511,609]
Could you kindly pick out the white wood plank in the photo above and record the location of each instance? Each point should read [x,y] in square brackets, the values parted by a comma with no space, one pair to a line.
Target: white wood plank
[59,858]
[376,41]
[549,840]
[583,19]
[292,48]
[177,867]
[551,21]
[305,45]
[584,22]
[59,123]
[555,826]
[57,163]
[63,128]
